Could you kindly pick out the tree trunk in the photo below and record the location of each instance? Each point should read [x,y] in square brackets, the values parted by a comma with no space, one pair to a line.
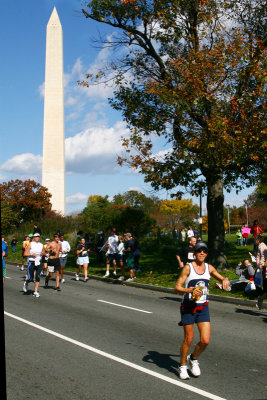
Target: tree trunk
[216,230]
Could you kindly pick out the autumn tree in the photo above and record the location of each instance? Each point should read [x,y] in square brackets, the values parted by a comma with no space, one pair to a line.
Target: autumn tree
[193,73]
[179,212]
[28,200]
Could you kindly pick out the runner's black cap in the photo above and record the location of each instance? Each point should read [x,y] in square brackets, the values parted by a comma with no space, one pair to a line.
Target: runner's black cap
[200,245]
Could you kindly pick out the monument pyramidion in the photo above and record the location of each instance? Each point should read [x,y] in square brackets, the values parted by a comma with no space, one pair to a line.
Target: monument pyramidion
[53,172]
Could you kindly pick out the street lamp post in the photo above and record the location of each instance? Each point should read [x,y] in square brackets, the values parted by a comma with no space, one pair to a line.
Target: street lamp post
[228,207]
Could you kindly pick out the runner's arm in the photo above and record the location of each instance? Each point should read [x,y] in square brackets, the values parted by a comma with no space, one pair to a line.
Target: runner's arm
[179,286]
[219,277]
[27,251]
[181,264]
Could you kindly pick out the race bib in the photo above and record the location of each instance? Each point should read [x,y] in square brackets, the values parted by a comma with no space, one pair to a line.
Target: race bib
[205,291]
[50,269]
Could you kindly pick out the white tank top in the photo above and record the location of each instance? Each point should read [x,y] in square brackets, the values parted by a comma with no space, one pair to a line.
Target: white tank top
[36,248]
[202,280]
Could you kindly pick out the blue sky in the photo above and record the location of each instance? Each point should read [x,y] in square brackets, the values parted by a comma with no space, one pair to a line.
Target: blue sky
[92,128]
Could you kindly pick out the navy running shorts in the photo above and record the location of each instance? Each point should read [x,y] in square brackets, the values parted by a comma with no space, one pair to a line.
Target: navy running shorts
[191,314]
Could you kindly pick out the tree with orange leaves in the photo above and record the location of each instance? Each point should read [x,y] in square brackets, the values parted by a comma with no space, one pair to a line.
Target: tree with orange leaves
[193,72]
[28,200]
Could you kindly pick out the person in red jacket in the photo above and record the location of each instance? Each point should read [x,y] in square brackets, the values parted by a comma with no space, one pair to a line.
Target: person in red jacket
[255,231]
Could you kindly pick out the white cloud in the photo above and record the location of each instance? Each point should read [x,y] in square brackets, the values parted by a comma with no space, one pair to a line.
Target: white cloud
[95,150]
[23,164]
[76,198]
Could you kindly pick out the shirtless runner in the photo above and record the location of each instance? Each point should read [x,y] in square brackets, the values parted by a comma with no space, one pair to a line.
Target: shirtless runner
[53,262]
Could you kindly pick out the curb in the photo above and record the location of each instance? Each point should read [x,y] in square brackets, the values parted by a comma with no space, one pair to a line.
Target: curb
[214,297]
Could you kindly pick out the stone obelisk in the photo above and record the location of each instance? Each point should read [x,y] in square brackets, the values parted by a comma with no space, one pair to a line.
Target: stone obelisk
[53,174]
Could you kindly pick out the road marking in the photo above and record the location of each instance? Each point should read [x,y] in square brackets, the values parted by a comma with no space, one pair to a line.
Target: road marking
[130,308]
[119,360]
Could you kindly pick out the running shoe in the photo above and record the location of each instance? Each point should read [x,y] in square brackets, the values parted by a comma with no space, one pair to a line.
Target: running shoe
[114,273]
[130,279]
[57,288]
[259,303]
[46,283]
[106,274]
[22,268]
[25,287]
[86,279]
[194,366]
[63,280]
[121,278]
[182,372]
[36,294]
[77,278]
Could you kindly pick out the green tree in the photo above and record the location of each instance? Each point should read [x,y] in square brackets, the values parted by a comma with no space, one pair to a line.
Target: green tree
[136,199]
[97,214]
[192,72]
[9,217]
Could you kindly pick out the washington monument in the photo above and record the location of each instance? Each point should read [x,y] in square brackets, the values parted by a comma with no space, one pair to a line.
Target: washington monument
[53,173]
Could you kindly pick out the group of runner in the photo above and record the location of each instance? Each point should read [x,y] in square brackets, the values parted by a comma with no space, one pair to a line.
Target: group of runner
[193,282]
[51,258]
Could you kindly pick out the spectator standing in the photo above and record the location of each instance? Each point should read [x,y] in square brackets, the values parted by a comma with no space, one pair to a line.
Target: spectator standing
[129,254]
[63,255]
[183,235]
[14,243]
[187,255]
[245,232]
[120,249]
[255,231]
[190,232]
[196,232]
[111,254]
[99,244]
[261,260]
[239,237]
[4,253]
[136,255]
[83,259]
[36,229]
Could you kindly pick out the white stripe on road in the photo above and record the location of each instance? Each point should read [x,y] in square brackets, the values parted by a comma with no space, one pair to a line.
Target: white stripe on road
[130,308]
[120,360]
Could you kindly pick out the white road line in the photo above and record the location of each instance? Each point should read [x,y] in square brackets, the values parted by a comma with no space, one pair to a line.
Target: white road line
[120,360]
[130,308]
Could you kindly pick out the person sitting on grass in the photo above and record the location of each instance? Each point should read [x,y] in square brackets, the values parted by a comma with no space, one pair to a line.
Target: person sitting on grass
[246,273]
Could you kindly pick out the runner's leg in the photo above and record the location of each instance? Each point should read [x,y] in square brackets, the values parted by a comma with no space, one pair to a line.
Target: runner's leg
[204,332]
[185,346]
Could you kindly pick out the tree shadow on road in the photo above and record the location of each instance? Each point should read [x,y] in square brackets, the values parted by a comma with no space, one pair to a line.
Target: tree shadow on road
[164,361]
[177,299]
[252,313]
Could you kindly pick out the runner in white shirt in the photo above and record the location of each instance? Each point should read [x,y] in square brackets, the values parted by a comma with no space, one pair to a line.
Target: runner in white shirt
[63,255]
[35,251]
[111,254]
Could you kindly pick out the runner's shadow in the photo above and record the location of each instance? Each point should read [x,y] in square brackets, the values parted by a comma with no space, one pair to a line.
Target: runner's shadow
[164,361]
[253,313]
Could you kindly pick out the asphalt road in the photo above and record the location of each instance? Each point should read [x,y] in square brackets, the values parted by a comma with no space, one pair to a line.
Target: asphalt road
[75,344]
